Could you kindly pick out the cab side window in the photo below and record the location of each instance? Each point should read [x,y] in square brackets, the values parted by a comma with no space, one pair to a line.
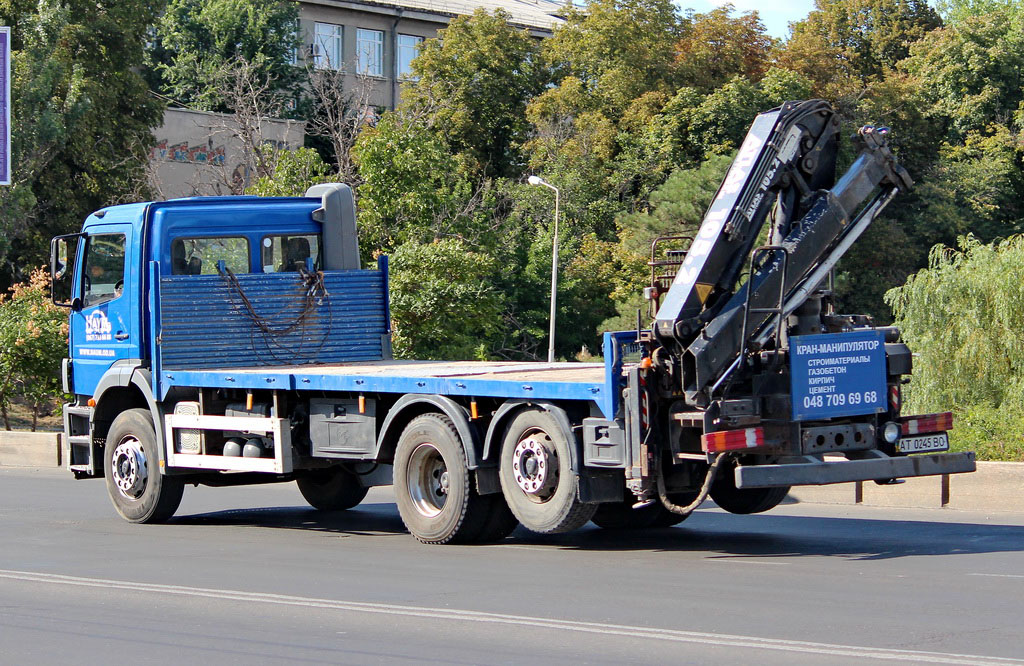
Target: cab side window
[104,269]
[285,254]
[199,256]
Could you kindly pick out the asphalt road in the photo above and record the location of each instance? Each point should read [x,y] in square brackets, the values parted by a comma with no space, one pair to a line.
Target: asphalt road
[252,575]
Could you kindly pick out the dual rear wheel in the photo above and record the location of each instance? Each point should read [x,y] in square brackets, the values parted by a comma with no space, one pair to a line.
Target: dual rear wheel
[439,504]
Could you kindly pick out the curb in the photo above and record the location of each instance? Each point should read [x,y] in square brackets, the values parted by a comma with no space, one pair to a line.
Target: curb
[30,449]
[996,486]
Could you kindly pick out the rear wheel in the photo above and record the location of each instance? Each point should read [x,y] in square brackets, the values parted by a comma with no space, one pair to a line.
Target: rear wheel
[622,515]
[432,484]
[743,500]
[536,473]
[332,489]
[139,492]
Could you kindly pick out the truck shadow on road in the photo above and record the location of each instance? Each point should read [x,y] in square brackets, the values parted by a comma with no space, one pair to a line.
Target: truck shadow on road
[707,531]
[768,536]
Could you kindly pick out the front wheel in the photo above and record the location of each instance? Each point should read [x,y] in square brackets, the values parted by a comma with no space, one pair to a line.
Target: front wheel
[536,473]
[139,492]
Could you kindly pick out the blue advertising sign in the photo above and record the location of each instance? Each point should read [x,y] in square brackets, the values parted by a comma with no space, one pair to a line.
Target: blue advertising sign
[5,106]
[839,374]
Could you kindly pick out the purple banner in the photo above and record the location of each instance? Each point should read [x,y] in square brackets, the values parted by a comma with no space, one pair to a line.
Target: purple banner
[5,106]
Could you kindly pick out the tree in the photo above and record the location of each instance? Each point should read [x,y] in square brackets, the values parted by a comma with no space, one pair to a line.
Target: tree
[414,190]
[969,75]
[617,50]
[718,46]
[33,340]
[339,113]
[955,11]
[294,173]
[845,44]
[974,356]
[82,114]
[474,82]
[443,301]
[194,39]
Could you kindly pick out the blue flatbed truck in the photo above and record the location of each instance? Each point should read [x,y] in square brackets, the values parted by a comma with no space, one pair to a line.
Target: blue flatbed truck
[237,340]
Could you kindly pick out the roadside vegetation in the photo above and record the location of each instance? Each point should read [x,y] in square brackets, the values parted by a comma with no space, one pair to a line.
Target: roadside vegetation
[633,109]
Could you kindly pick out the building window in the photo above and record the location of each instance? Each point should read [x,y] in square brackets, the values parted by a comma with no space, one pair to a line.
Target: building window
[408,49]
[327,46]
[370,49]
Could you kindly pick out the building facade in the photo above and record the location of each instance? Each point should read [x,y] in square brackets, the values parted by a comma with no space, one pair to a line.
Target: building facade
[372,43]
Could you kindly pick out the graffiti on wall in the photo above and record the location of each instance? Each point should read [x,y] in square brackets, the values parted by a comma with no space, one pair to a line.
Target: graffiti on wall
[204,153]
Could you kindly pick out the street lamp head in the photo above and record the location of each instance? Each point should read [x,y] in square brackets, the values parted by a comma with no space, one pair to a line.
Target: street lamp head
[535,180]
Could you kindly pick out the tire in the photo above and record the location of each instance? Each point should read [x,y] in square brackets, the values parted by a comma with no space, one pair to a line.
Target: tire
[500,521]
[332,489]
[743,500]
[536,474]
[139,492]
[432,484]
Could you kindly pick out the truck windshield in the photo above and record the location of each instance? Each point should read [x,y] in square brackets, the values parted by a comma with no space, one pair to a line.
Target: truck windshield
[199,256]
[104,268]
[289,253]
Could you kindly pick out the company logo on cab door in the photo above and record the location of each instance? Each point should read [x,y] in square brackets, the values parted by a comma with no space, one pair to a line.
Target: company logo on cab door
[97,327]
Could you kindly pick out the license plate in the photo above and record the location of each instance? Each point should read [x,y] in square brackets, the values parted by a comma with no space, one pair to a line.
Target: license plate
[922,443]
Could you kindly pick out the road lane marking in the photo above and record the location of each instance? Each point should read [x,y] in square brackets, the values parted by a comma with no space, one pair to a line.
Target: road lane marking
[990,575]
[674,635]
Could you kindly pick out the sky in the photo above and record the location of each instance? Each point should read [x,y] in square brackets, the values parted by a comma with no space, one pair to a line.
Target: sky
[776,14]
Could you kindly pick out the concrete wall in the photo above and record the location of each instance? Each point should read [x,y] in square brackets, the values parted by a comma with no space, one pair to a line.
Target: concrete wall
[30,449]
[197,153]
[996,486]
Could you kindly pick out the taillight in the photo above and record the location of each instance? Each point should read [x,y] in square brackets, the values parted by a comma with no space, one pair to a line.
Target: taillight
[927,423]
[732,440]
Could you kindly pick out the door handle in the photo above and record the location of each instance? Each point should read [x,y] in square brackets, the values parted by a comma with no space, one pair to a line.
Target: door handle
[121,336]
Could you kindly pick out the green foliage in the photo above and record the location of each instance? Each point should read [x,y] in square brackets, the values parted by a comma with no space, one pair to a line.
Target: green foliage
[955,11]
[82,118]
[984,177]
[718,46]
[414,189]
[33,340]
[294,173]
[961,316]
[968,75]
[196,39]
[993,433]
[845,44]
[474,82]
[677,207]
[618,50]
[443,301]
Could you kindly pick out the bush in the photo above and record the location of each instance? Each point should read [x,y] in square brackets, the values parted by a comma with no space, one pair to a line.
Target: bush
[992,433]
[33,340]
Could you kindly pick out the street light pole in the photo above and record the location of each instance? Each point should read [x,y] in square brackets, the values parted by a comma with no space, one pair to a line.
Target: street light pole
[537,180]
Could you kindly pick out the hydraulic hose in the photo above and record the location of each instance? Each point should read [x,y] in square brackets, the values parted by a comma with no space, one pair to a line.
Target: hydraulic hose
[701,496]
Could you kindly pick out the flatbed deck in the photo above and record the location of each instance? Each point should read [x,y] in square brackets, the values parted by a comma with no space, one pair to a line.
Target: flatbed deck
[542,381]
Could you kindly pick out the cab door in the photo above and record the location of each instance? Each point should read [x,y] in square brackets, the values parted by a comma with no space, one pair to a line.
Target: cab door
[105,329]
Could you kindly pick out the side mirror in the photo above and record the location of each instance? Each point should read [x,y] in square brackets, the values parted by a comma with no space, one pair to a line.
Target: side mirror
[62,256]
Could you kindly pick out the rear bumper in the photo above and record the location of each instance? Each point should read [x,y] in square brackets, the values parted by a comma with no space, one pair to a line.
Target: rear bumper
[815,472]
